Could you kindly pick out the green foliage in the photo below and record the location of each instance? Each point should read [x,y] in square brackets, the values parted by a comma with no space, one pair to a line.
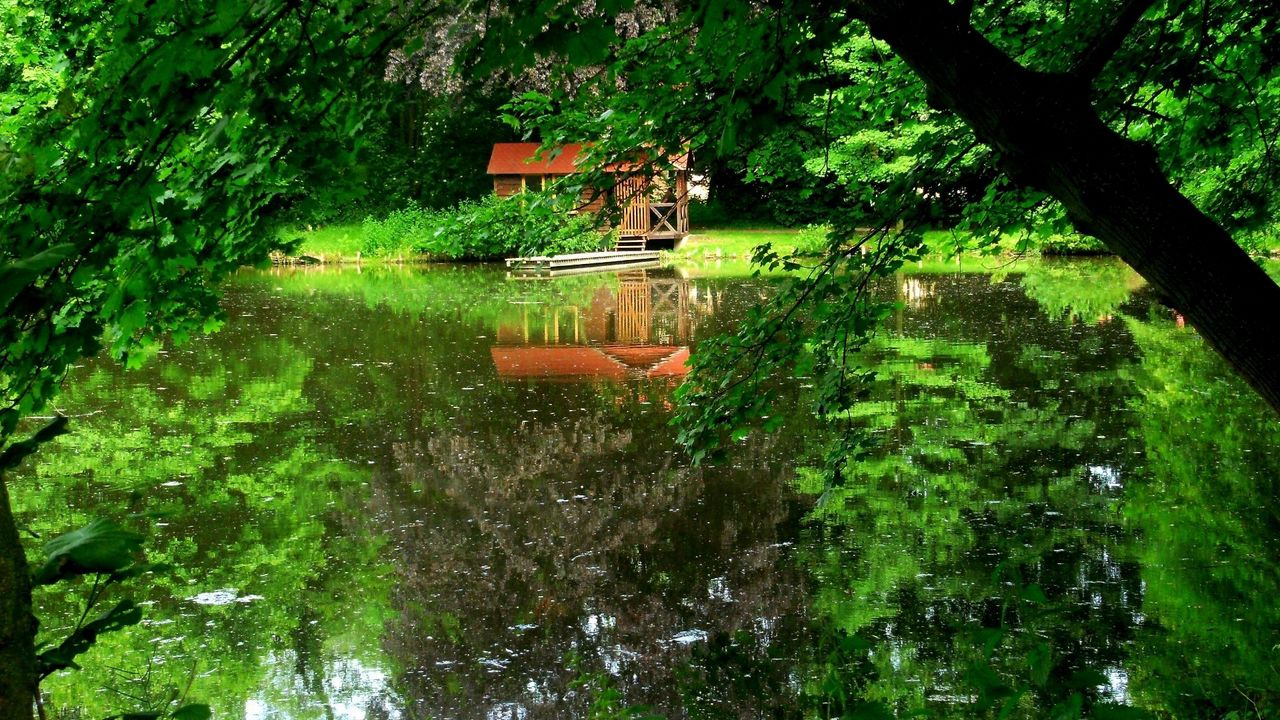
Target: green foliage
[423,147]
[396,232]
[144,149]
[487,229]
[200,446]
[1071,245]
[106,552]
[1206,515]
[1089,291]
[141,156]
[101,547]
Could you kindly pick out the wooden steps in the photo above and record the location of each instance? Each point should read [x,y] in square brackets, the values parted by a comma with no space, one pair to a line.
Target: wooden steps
[631,243]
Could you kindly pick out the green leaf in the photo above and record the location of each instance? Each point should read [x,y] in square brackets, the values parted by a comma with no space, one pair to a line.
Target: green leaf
[1033,593]
[102,546]
[194,711]
[123,615]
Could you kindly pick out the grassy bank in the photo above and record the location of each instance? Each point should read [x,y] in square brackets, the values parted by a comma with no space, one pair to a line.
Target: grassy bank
[491,228]
[343,243]
[738,243]
[331,244]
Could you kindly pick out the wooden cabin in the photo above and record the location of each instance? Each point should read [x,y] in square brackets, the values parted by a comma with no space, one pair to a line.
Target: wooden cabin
[654,205]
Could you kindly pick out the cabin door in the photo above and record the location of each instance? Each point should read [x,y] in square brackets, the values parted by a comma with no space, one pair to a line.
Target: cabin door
[634,198]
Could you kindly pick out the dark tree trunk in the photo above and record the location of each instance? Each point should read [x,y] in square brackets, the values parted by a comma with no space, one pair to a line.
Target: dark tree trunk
[17,624]
[1050,137]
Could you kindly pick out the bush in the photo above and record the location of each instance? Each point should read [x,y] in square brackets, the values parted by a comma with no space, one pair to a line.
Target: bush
[812,240]
[487,229]
[393,234]
[1072,245]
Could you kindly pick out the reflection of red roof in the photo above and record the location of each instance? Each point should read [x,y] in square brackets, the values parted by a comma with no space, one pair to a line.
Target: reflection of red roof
[519,159]
[639,356]
[674,366]
[569,361]
[549,362]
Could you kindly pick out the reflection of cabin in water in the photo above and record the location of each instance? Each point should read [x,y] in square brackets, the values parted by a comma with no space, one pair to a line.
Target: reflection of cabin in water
[654,205]
[641,328]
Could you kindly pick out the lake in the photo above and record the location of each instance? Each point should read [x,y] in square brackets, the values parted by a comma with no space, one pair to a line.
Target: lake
[440,493]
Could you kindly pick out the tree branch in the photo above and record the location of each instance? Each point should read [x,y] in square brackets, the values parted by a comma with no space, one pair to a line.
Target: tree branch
[1049,136]
[1095,57]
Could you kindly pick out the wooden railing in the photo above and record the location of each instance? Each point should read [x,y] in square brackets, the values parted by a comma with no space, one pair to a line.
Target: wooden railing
[640,217]
[635,214]
[672,217]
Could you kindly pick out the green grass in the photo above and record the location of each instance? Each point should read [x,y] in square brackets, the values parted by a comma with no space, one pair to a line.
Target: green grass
[333,243]
[341,243]
[338,243]
[738,243]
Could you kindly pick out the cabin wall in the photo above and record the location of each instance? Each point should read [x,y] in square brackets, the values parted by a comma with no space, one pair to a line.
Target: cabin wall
[591,201]
[507,185]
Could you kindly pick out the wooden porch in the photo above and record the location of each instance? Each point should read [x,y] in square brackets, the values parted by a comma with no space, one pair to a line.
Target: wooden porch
[644,220]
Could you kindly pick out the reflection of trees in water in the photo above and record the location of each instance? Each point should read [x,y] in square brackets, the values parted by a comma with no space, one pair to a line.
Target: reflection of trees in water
[519,544]
[1088,291]
[1115,466]
[1208,515]
[999,457]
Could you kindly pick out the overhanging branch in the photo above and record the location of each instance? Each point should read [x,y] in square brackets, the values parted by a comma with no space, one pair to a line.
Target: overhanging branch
[1095,57]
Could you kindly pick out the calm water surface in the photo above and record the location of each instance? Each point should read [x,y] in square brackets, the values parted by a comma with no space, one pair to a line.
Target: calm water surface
[439,493]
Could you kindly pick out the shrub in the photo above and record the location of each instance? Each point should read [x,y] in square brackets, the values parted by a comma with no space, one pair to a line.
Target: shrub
[532,224]
[395,232]
[812,240]
[1072,245]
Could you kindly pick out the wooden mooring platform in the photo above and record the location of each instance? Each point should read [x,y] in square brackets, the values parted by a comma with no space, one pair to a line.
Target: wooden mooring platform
[582,262]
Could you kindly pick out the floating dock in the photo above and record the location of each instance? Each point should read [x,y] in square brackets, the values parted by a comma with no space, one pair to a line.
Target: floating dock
[582,262]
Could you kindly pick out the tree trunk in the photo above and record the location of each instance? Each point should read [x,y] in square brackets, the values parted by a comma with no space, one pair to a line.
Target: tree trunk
[17,624]
[1049,136]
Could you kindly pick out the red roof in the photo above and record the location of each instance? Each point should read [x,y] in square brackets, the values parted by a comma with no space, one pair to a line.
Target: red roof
[518,159]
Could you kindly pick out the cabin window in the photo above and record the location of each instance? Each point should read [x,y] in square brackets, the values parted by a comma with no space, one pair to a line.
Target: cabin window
[533,183]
